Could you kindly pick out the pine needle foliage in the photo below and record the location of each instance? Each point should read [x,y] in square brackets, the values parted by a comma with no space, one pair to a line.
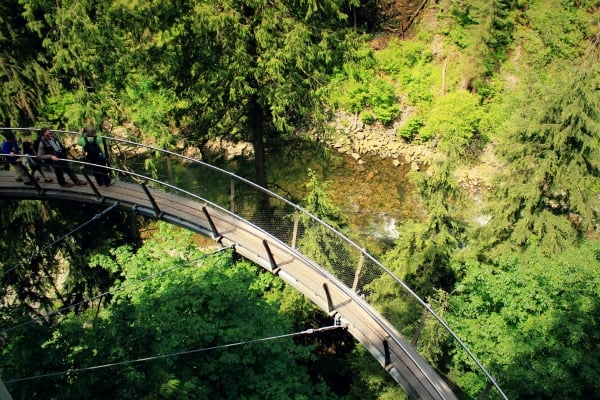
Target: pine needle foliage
[22,75]
[423,253]
[548,196]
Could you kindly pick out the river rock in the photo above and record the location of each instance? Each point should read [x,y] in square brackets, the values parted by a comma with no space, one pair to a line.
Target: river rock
[375,139]
[230,149]
[192,152]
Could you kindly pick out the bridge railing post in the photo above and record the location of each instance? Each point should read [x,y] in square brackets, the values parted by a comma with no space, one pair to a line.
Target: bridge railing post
[486,391]
[232,195]
[295,229]
[170,171]
[420,327]
[361,262]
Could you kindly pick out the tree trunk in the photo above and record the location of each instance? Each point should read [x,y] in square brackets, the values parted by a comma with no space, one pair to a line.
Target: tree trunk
[257,126]
[444,66]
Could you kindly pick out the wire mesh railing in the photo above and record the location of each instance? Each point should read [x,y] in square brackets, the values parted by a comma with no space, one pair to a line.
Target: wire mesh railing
[327,247]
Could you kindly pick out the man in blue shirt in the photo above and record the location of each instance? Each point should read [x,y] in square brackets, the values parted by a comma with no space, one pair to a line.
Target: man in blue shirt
[10,149]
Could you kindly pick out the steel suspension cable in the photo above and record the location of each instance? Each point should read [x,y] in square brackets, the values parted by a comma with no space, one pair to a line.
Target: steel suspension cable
[98,296]
[180,353]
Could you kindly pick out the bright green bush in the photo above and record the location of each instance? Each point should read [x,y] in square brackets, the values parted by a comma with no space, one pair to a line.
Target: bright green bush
[410,129]
[383,101]
[454,120]
[398,56]
[372,84]
[357,89]
[409,64]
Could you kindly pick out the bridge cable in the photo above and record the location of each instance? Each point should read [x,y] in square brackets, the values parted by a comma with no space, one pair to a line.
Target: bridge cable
[138,360]
[60,310]
[49,246]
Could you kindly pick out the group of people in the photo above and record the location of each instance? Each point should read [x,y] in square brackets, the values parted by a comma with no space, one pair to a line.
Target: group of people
[48,149]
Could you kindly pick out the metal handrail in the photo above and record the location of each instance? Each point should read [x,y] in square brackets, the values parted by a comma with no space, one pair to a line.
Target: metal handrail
[296,208]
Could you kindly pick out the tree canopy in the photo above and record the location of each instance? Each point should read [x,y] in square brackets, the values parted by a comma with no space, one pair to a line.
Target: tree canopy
[200,69]
[533,318]
[183,303]
[550,200]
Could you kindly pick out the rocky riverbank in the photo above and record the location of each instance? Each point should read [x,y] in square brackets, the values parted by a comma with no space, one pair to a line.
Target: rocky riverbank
[354,137]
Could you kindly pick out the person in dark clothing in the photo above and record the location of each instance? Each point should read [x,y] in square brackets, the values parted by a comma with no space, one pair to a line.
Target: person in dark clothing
[94,155]
[51,149]
[10,148]
[32,161]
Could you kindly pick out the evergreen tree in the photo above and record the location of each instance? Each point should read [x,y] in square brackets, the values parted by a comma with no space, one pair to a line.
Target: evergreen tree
[22,68]
[548,194]
[423,253]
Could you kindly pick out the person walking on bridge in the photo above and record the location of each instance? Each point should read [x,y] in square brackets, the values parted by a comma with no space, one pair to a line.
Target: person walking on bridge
[10,148]
[51,149]
[32,161]
[94,155]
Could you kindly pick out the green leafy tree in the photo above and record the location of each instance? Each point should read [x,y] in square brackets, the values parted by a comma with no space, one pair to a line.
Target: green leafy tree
[172,301]
[532,321]
[22,69]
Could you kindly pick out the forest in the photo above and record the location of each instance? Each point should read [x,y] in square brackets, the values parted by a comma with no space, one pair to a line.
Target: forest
[139,309]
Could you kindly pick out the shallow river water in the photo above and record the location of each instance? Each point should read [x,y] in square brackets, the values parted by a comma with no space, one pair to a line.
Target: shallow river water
[375,196]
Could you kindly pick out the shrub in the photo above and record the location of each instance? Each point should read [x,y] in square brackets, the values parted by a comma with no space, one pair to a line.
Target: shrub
[410,128]
[454,119]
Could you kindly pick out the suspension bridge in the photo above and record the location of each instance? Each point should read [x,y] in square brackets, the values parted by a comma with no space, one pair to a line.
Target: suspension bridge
[270,231]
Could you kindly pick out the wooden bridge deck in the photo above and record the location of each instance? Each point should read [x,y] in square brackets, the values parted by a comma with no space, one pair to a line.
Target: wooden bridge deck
[394,353]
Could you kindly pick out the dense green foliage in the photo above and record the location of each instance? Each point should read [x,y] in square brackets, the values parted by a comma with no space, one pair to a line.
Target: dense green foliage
[40,236]
[541,113]
[165,303]
[534,320]
[191,68]
[22,70]
[553,159]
